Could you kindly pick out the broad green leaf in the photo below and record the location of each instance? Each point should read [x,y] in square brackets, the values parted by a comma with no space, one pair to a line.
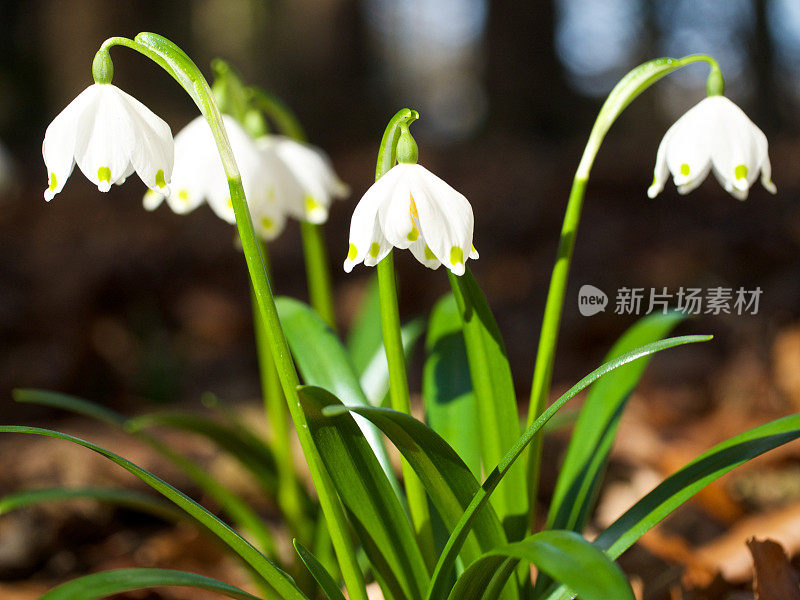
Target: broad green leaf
[697,474]
[323,362]
[277,579]
[365,336]
[459,533]
[450,407]
[320,573]
[242,514]
[251,451]
[495,397]
[125,498]
[375,377]
[580,476]
[563,555]
[378,517]
[445,477]
[107,583]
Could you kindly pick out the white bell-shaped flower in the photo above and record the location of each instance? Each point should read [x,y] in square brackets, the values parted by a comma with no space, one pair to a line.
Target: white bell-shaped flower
[410,207]
[715,135]
[312,183]
[109,134]
[199,177]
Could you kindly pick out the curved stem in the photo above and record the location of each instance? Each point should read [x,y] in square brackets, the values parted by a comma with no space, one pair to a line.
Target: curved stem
[280,114]
[393,343]
[180,66]
[629,87]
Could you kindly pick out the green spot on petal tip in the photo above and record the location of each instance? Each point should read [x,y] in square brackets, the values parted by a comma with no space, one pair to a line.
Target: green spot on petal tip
[740,172]
[374,249]
[160,182]
[352,251]
[456,255]
[104,174]
[413,235]
[429,254]
[53,182]
[685,170]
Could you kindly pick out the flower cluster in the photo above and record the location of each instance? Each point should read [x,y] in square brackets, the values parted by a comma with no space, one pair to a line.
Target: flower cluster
[280,176]
[110,134]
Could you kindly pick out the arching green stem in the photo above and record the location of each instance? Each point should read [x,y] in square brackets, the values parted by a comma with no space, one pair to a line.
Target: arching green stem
[173,60]
[393,343]
[633,84]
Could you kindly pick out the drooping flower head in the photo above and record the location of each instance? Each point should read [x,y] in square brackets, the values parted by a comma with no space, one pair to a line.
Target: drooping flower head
[410,207]
[199,177]
[315,185]
[715,135]
[109,134]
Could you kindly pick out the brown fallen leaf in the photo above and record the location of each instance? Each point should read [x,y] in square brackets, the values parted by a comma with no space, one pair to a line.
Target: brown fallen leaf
[775,578]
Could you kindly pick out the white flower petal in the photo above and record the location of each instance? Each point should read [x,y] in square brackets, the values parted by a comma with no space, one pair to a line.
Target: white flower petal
[661,170]
[153,151]
[737,145]
[58,147]
[396,217]
[687,152]
[445,218]
[366,242]
[423,254]
[105,138]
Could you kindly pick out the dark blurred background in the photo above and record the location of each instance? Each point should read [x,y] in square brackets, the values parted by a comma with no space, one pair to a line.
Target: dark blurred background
[103,299]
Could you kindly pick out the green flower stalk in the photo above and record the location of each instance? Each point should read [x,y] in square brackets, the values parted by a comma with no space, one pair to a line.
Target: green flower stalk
[633,84]
[173,60]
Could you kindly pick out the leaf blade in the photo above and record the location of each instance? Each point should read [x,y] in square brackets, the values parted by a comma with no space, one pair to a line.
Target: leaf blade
[378,516]
[563,555]
[275,577]
[106,583]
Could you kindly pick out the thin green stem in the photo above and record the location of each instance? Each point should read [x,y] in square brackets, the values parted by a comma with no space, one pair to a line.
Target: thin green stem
[399,396]
[318,272]
[393,344]
[289,493]
[181,67]
[633,84]
[280,114]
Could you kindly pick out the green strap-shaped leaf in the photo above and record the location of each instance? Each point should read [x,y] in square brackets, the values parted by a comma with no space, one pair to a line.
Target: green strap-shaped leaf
[241,513]
[496,399]
[450,407]
[563,555]
[276,578]
[445,477]
[323,362]
[679,487]
[378,516]
[365,336]
[580,476]
[252,452]
[320,573]
[125,498]
[447,559]
[108,583]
